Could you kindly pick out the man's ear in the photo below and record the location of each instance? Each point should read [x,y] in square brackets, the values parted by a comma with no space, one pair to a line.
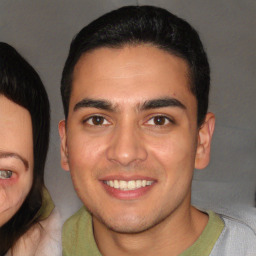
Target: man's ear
[204,142]
[63,145]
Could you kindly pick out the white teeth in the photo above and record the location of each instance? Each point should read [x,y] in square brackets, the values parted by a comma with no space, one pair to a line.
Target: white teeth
[122,184]
[128,185]
[131,184]
[138,183]
[116,184]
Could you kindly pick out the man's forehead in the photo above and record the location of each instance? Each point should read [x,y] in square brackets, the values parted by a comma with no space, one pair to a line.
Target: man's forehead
[140,73]
[130,57]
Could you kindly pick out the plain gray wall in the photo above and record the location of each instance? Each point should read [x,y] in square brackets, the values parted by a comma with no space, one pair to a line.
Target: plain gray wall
[42,31]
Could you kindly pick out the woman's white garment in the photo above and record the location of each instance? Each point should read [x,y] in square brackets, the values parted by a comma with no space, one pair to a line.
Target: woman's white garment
[42,239]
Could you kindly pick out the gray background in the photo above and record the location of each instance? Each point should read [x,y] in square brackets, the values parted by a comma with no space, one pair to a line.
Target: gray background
[42,31]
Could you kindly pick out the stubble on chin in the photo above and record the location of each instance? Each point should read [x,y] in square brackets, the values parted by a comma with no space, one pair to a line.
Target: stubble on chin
[128,224]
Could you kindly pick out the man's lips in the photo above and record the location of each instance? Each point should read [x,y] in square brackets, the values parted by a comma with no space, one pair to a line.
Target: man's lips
[127,187]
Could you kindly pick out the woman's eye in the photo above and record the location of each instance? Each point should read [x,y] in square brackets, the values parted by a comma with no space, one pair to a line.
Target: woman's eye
[5,174]
[159,120]
[97,120]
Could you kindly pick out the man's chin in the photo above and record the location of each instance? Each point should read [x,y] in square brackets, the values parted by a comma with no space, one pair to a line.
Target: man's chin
[129,225]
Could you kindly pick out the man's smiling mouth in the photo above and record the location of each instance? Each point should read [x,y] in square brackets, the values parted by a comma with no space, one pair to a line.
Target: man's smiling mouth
[128,185]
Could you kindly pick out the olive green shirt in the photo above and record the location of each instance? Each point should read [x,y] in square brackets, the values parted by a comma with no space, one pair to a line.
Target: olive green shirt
[47,206]
[78,239]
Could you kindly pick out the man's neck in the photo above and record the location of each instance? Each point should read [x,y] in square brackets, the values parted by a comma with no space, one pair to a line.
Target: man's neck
[170,237]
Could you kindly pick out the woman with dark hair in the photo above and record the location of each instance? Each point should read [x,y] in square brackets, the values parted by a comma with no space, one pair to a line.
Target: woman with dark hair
[29,224]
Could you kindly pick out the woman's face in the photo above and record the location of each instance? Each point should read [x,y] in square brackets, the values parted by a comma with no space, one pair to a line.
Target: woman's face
[16,157]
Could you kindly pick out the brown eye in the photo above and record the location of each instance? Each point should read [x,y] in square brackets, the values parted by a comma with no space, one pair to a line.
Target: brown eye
[97,121]
[160,120]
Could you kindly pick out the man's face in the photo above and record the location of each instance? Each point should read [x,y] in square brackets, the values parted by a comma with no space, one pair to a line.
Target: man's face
[131,136]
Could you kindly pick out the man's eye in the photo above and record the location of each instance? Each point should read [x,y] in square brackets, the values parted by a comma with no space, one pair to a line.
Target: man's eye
[5,174]
[97,120]
[159,121]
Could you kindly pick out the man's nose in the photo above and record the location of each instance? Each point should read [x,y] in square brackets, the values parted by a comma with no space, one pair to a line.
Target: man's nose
[127,146]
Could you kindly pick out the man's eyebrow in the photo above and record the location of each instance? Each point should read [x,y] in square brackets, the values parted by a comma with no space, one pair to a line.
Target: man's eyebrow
[15,155]
[91,103]
[161,103]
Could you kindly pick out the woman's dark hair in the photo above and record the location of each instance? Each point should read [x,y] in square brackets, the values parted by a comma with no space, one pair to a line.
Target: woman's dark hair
[133,25]
[20,83]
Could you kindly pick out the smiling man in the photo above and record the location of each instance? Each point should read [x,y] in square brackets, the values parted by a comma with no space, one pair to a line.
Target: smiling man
[135,93]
